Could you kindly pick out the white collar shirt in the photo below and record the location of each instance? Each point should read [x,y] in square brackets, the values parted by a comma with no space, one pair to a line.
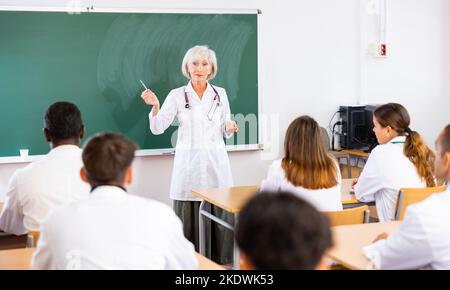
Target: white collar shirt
[114,230]
[326,199]
[422,241]
[385,172]
[34,191]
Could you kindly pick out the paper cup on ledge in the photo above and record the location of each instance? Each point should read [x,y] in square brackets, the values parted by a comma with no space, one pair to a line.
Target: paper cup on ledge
[24,153]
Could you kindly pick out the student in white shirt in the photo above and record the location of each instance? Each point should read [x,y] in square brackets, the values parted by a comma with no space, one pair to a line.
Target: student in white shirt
[282,232]
[112,229]
[423,240]
[51,181]
[401,160]
[306,170]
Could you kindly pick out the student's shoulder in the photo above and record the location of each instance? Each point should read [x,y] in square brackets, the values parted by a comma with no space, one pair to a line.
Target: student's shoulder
[60,215]
[23,173]
[276,164]
[429,213]
[151,206]
[378,150]
[434,204]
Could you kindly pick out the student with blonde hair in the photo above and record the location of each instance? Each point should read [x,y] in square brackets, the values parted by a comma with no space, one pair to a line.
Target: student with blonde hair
[307,169]
[401,160]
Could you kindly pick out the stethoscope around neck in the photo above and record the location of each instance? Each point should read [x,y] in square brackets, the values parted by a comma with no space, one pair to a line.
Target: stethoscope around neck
[216,98]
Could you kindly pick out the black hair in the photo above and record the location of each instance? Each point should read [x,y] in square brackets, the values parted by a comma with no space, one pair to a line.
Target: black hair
[63,121]
[282,231]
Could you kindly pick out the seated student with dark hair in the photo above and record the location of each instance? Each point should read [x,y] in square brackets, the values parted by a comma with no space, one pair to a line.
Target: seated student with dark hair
[423,240]
[112,229]
[282,232]
[51,181]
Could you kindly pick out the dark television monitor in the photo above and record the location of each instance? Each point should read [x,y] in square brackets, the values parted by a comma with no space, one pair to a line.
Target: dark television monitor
[357,127]
[371,138]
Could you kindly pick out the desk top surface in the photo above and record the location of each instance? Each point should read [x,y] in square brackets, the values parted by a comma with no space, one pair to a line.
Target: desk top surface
[349,241]
[20,259]
[17,259]
[355,152]
[232,199]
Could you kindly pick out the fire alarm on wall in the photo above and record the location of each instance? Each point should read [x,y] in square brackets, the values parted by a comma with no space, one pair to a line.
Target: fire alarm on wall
[383,51]
[378,50]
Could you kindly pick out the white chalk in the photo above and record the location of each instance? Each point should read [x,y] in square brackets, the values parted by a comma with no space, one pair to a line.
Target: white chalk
[145,87]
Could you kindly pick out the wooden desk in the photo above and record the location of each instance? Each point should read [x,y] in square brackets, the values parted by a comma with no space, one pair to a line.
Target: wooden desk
[339,155]
[230,199]
[20,259]
[234,198]
[349,241]
[206,264]
[353,152]
[348,198]
[358,154]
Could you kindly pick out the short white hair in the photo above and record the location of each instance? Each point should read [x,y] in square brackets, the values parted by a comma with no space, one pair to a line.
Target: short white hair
[199,52]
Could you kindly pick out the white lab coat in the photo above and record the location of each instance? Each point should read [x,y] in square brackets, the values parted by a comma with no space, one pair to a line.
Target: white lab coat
[41,186]
[201,159]
[386,171]
[114,230]
[328,199]
[423,240]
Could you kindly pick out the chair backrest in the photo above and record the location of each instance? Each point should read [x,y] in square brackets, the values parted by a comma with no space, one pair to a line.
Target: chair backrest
[325,138]
[408,196]
[351,216]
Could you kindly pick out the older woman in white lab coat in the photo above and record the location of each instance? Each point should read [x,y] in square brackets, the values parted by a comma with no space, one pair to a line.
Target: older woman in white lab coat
[423,240]
[401,160]
[201,159]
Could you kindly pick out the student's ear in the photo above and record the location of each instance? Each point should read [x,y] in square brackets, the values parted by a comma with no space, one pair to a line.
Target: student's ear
[83,175]
[47,135]
[82,131]
[129,176]
[447,161]
[324,264]
[245,262]
[389,130]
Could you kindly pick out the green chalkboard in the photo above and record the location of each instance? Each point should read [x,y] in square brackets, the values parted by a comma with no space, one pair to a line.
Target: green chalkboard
[96,60]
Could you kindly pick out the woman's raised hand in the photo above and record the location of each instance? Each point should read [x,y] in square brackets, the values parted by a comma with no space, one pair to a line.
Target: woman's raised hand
[150,98]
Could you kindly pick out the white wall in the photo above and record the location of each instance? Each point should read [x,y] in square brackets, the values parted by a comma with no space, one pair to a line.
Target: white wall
[417,70]
[310,60]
